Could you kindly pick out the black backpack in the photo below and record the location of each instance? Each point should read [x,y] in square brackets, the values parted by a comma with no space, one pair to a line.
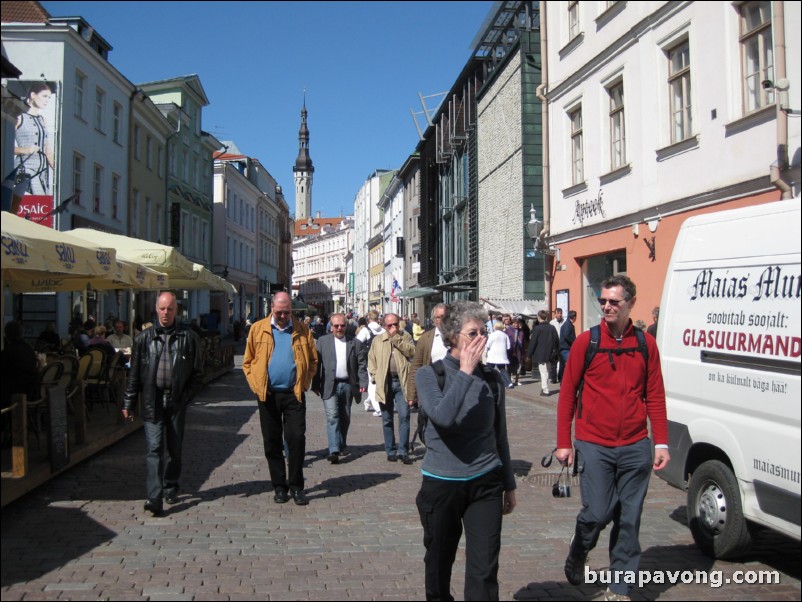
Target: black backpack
[593,349]
[440,372]
[366,344]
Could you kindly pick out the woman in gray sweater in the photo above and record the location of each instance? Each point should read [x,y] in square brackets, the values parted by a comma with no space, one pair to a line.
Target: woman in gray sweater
[467,472]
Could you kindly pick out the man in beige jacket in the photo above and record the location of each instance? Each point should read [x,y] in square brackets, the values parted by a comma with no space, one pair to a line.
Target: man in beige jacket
[389,368]
[279,364]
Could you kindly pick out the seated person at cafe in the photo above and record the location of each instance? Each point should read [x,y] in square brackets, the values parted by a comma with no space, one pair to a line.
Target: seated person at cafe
[118,338]
[48,339]
[100,339]
[19,366]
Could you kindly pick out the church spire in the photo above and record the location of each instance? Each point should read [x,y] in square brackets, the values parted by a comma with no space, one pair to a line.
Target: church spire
[303,171]
[304,161]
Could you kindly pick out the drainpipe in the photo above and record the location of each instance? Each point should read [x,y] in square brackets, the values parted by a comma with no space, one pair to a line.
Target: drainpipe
[541,94]
[777,168]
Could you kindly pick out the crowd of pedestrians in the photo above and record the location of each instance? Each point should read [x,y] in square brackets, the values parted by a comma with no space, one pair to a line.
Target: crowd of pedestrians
[454,375]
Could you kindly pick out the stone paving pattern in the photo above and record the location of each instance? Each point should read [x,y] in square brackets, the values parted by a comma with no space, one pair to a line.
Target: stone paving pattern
[85,536]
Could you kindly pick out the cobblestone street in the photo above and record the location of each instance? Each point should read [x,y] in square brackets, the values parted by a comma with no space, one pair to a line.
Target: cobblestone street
[84,535]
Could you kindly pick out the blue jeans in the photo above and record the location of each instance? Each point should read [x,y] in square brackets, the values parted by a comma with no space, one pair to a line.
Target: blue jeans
[614,485]
[164,470]
[338,417]
[402,407]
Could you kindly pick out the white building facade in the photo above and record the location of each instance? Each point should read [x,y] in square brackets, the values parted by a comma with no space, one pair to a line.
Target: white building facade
[319,259]
[391,208]
[88,126]
[367,224]
[658,111]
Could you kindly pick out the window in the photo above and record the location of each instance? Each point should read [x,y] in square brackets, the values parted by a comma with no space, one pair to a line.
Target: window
[100,107]
[97,187]
[618,154]
[80,84]
[116,126]
[158,230]
[134,225]
[185,164]
[160,159]
[573,20]
[149,152]
[577,164]
[204,238]
[115,196]
[172,158]
[148,219]
[77,176]
[757,54]
[679,83]
[136,142]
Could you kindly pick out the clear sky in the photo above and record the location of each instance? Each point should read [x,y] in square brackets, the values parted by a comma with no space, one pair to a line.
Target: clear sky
[362,64]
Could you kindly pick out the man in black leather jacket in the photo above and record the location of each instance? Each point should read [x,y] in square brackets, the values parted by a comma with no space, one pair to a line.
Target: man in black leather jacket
[165,385]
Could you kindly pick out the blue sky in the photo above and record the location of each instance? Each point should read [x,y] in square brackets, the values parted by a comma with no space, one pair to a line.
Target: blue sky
[362,64]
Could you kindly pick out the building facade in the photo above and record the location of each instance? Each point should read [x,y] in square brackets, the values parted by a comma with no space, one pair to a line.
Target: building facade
[510,165]
[319,256]
[391,208]
[656,112]
[190,200]
[82,176]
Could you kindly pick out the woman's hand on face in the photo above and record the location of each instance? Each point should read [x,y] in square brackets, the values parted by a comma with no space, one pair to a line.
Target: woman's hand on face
[471,354]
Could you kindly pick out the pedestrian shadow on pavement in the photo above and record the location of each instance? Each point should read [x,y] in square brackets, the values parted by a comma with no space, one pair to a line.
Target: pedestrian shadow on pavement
[339,486]
[354,452]
[243,489]
[521,468]
[556,590]
[62,535]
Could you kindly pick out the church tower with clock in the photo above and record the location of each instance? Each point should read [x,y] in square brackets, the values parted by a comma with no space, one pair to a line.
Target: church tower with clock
[303,171]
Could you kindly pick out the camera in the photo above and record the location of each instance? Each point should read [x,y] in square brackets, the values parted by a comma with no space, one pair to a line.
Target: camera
[561,490]
[767,84]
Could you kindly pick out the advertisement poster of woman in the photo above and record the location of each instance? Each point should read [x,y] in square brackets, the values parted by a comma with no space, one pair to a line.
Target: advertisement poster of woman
[33,145]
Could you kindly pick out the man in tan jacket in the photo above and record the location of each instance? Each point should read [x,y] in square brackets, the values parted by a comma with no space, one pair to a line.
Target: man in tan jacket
[279,364]
[389,367]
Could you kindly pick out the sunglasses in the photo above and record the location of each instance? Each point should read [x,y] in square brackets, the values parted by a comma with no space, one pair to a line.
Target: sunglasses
[613,302]
[338,325]
[472,334]
[391,325]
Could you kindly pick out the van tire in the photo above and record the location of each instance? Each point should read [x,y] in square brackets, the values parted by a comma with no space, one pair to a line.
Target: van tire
[715,512]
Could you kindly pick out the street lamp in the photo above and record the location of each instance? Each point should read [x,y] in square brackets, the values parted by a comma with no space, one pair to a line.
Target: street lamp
[534,227]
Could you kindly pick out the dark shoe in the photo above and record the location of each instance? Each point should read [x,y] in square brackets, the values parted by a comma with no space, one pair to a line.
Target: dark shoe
[171,496]
[154,507]
[344,452]
[281,497]
[545,392]
[392,458]
[575,565]
[334,458]
[407,460]
[300,498]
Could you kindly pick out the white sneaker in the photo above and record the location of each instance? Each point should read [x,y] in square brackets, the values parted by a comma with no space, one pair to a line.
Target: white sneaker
[377,413]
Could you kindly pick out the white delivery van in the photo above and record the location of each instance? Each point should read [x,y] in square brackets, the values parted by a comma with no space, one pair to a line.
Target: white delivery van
[729,340]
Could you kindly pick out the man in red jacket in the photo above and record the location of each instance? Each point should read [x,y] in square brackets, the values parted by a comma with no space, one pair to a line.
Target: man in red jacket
[620,392]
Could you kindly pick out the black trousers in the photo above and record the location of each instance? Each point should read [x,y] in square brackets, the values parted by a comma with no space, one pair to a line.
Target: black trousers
[282,417]
[445,507]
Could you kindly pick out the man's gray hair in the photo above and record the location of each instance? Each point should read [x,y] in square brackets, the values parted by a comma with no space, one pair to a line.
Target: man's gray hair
[458,314]
[436,307]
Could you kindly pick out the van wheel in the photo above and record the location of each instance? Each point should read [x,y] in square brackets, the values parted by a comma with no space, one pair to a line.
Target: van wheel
[715,512]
